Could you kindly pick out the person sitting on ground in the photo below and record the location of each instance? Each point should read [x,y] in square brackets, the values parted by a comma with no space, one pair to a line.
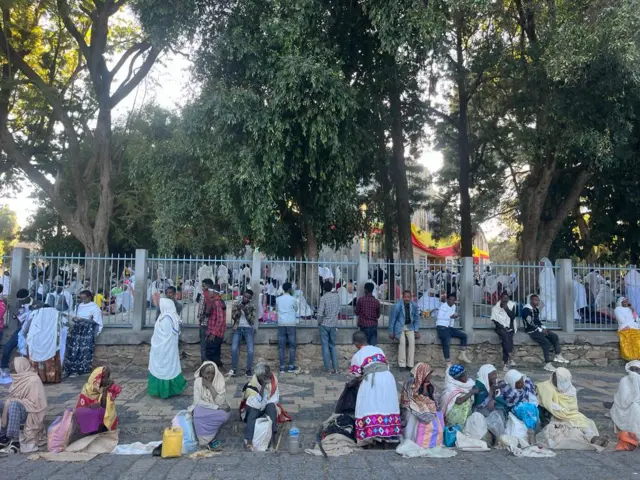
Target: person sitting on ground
[96,408]
[457,398]
[519,394]
[487,399]
[377,409]
[503,316]
[25,404]
[628,330]
[568,428]
[539,333]
[403,326]
[260,397]
[445,326]
[625,411]
[422,422]
[210,409]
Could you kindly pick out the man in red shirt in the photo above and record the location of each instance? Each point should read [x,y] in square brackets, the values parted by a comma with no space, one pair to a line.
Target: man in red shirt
[368,312]
[216,311]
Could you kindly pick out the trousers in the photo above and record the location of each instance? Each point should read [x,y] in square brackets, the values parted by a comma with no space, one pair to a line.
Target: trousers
[546,341]
[407,348]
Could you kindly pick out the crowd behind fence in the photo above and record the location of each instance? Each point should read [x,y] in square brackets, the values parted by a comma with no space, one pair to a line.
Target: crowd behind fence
[592,290]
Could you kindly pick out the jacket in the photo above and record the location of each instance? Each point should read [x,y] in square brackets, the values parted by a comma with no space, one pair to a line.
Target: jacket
[397,320]
[531,319]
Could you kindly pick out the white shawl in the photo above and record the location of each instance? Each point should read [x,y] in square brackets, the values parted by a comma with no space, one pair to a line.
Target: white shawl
[624,316]
[42,338]
[202,395]
[452,390]
[625,411]
[90,311]
[164,357]
[483,375]
[500,316]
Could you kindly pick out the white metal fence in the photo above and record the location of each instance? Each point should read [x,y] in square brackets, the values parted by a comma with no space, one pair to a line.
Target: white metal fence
[593,290]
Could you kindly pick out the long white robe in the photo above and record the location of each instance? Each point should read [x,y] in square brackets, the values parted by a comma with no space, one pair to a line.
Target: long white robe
[164,357]
[632,287]
[579,298]
[625,411]
[548,294]
[42,338]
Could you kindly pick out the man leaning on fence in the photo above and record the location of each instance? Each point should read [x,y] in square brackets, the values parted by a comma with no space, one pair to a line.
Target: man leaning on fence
[368,312]
[203,317]
[328,312]
[403,326]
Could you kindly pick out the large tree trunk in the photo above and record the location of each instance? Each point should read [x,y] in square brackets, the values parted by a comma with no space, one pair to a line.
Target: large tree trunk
[102,149]
[388,228]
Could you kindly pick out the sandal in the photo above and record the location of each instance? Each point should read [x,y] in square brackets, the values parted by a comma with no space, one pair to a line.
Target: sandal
[248,447]
[214,444]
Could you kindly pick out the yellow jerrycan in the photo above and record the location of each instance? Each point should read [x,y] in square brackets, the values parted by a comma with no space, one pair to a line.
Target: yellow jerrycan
[172,442]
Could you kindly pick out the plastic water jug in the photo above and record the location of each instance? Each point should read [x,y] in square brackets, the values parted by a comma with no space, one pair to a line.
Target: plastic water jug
[172,442]
[294,439]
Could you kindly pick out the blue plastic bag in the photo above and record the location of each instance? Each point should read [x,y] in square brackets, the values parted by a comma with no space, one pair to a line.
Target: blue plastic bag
[184,420]
[528,413]
[450,435]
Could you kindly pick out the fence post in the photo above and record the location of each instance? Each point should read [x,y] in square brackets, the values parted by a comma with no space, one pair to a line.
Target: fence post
[19,274]
[564,293]
[256,271]
[140,290]
[363,272]
[466,294]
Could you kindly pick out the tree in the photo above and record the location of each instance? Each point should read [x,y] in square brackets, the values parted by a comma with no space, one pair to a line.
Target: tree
[8,229]
[57,97]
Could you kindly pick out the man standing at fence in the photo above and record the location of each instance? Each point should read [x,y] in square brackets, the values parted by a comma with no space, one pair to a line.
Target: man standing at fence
[368,312]
[287,307]
[216,325]
[203,317]
[403,326]
[244,321]
[328,312]
[444,325]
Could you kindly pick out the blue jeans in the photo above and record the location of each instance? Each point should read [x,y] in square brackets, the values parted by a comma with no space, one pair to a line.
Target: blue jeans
[372,335]
[287,334]
[9,347]
[446,334]
[328,339]
[238,335]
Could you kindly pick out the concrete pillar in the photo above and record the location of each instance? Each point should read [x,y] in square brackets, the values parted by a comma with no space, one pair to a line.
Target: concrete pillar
[256,268]
[140,290]
[466,294]
[564,286]
[19,276]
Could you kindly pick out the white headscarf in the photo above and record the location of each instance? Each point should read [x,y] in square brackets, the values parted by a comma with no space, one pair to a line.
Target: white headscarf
[625,411]
[483,374]
[624,316]
[202,396]
[563,382]
[512,377]
[164,357]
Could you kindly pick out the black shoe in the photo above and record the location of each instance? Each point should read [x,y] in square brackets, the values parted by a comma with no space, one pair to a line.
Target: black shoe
[4,441]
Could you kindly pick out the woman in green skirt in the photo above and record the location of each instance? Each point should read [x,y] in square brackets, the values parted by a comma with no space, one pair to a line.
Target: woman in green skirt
[165,372]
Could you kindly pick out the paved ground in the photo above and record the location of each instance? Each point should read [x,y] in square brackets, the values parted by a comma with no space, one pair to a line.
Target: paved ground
[310,399]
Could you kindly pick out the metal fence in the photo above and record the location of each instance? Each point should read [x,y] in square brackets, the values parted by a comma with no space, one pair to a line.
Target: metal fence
[58,279]
[112,281]
[518,281]
[596,289]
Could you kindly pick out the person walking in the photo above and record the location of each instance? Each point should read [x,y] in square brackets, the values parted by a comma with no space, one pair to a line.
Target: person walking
[243,316]
[287,307]
[328,325]
[446,331]
[404,326]
[368,313]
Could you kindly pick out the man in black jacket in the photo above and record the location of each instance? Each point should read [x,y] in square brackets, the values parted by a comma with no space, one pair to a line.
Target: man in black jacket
[540,334]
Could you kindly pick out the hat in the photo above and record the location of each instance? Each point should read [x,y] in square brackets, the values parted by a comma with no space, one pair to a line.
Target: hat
[22,294]
[456,371]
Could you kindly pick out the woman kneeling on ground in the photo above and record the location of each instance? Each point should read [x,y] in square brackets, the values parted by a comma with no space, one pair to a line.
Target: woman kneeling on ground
[422,422]
[457,399]
[519,394]
[210,409]
[96,408]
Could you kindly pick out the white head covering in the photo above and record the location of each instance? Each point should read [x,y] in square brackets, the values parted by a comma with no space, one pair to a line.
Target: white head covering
[620,300]
[512,377]
[168,309]
[483,374]
[201,395]
[563,382]
[633,363]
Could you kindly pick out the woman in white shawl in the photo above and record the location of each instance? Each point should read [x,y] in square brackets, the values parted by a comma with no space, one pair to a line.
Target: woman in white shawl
[86,324]
[165,372]
[579,297]
[625,411]
[548,294]
[457,398]
[632,286]
[628,330]
[210,409]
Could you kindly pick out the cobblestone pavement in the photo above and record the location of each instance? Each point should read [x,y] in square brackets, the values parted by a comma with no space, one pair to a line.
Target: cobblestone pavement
[310,399]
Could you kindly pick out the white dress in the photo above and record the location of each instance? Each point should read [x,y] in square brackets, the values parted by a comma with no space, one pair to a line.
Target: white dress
[632,287]
[548,295]
[625,411]
[579,298]
[377,407]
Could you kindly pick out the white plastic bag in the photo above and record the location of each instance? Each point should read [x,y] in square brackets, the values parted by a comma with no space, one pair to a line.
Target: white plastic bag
[515,427]
[495,424]
[262,434]
[476,426]
[184,420]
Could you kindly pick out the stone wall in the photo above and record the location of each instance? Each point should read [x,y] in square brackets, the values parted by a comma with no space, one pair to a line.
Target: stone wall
[309,355]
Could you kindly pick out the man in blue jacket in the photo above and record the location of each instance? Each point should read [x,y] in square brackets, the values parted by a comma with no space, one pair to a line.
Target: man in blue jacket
[403,326]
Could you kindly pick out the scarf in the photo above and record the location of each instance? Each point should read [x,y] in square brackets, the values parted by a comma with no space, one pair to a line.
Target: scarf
[483,375]
[452,390]
[27,389]
[561,401]
[498,315]
[512,395]
[202,395]
[92,394]
[421,405]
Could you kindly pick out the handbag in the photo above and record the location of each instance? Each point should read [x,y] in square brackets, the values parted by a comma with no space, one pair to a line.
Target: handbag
[430,435]
[59,432]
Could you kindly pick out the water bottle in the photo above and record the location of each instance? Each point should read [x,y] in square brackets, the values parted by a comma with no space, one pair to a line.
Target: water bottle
[294,439]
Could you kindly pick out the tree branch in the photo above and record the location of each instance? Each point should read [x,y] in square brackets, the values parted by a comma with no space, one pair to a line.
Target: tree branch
[140,47]
[442,116]
[63,9]
[127,87]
